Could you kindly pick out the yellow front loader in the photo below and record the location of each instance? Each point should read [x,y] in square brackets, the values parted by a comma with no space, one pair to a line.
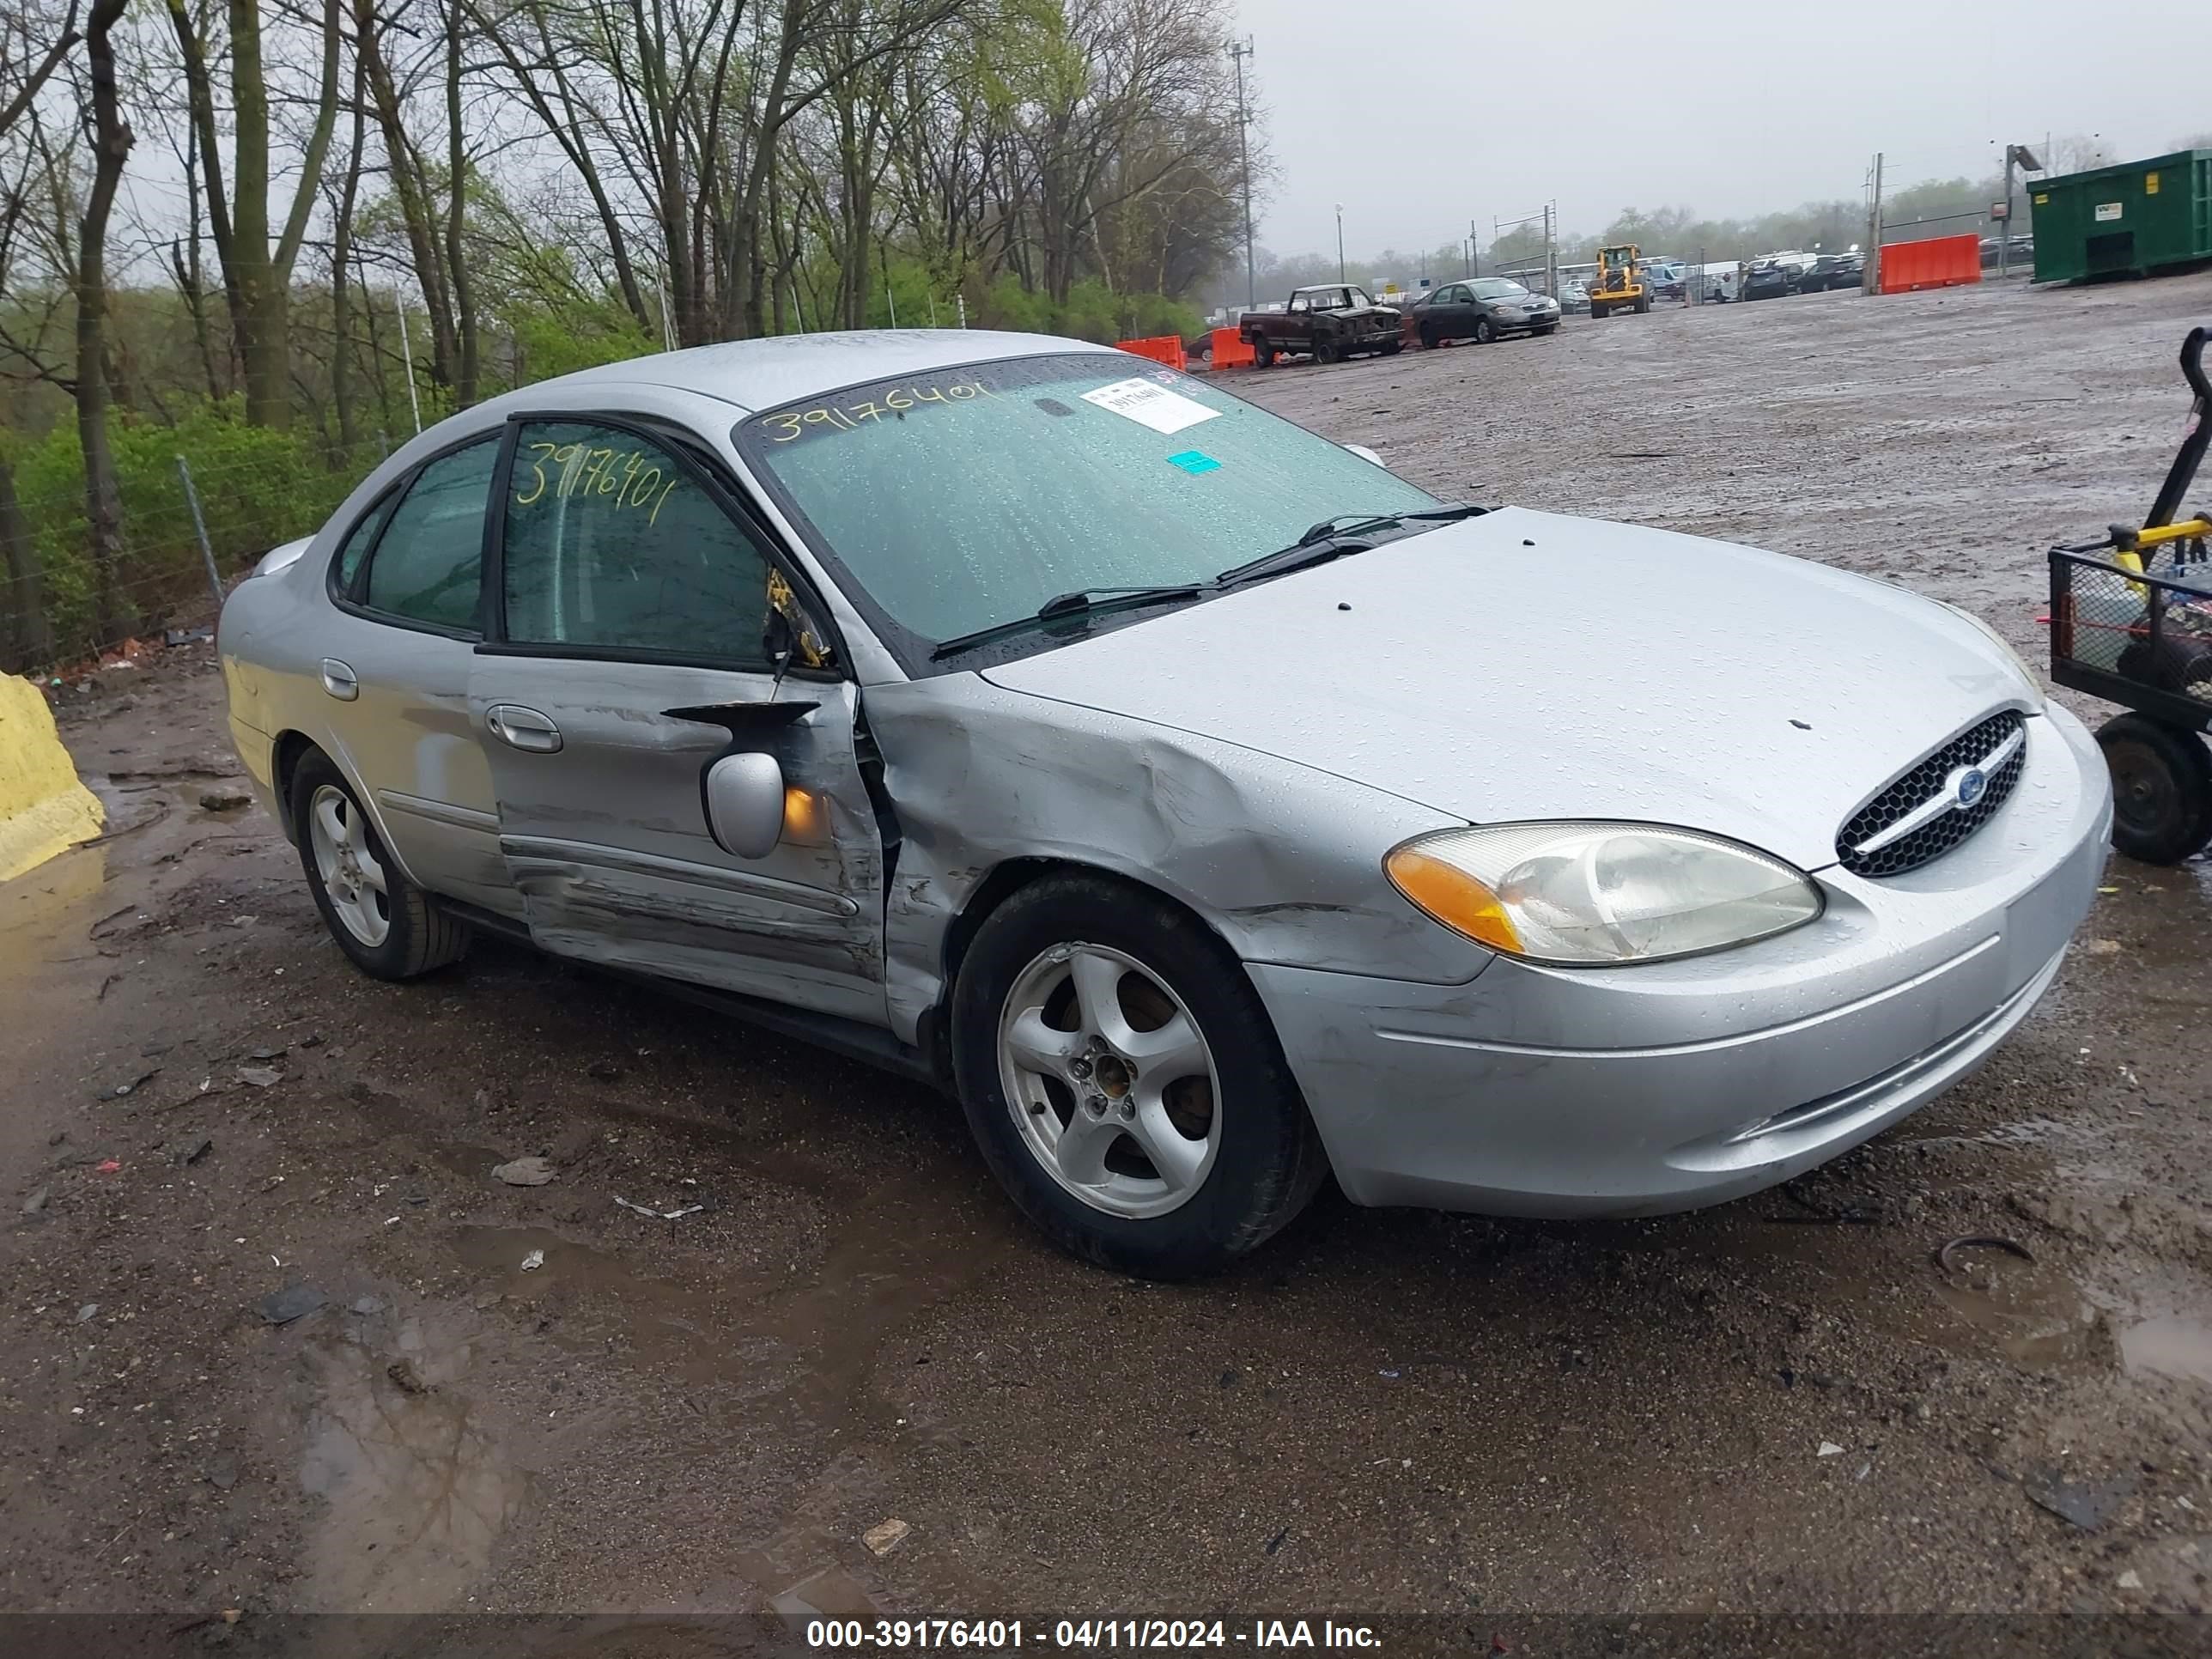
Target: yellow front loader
[1618,285]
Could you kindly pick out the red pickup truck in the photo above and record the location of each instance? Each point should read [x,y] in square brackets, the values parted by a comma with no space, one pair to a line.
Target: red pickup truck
[1329,324]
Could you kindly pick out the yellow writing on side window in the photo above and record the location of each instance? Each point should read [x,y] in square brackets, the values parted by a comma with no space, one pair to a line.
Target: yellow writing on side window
[632,476]
[848,417]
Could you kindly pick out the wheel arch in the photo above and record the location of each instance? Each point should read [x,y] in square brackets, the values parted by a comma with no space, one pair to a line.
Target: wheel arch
[999,884]
[293,747]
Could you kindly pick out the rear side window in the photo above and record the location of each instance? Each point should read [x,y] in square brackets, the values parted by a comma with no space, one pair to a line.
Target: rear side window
[356,546]
[611,545]
[429,561]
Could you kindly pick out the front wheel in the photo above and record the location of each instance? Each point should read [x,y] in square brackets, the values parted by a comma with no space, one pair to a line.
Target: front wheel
[1484,330]
[1326,350]
[1644,305]
[1597,312]
[1549,328]
[2162,788]
[1124,1083]
[389,927]
[1392,348]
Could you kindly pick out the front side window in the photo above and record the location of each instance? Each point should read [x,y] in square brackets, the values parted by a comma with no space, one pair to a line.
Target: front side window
[427,563]
[611,544]
[957,500]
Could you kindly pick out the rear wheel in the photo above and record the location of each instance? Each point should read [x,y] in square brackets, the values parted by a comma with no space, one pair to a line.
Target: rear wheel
[1123,1081]
[388,925]
[1263,352]
[2162,788]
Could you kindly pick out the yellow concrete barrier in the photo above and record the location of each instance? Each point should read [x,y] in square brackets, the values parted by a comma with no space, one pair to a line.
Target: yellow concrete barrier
[43,807]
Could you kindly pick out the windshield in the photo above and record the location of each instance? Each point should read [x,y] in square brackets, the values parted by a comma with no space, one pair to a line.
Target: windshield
[957,499]
[1496,287]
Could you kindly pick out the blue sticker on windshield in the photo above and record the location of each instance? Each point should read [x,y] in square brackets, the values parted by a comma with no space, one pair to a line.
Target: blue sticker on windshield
[1194,460]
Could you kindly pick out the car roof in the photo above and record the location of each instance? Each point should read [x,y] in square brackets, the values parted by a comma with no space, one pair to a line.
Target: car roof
[756,374]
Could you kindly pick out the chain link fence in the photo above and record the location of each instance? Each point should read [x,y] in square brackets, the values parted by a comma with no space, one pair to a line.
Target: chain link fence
[194,515]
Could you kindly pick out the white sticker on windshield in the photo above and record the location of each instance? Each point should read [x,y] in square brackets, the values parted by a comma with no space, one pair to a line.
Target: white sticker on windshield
[1151,405]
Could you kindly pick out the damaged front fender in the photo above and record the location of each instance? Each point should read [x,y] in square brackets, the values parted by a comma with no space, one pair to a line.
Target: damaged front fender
[1283,862]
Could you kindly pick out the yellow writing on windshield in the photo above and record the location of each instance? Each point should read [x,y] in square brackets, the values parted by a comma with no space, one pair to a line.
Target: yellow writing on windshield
[794,423]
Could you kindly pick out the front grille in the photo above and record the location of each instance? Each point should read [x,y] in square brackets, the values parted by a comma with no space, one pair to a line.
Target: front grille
[1923,785]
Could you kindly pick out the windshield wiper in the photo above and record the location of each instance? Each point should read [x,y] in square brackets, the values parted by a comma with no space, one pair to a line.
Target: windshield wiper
[1082,601]
[1333,536]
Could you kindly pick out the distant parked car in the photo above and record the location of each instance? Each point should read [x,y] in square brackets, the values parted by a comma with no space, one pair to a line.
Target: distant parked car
[1832,270]
[1573,296]
[1482,308]
[1665,278]
[1767,280]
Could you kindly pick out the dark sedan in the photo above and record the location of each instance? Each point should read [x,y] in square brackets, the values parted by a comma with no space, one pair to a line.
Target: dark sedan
[1768,280]
[1482,308]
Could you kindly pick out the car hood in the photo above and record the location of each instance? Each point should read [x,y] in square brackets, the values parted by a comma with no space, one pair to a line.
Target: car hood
[1529,666]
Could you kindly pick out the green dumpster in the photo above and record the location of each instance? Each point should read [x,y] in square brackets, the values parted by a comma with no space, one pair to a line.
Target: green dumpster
[2123,220]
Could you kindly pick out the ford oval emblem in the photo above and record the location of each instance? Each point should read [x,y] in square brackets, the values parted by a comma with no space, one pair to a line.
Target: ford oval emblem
[1973,784]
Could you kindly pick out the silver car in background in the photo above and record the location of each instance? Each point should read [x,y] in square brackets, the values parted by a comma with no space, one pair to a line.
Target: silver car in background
[1210,809]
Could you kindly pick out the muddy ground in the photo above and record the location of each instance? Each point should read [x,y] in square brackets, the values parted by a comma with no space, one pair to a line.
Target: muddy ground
[1781,1405]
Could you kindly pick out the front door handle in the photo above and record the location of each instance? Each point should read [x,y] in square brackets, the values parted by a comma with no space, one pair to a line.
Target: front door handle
[523,728]
[338,680]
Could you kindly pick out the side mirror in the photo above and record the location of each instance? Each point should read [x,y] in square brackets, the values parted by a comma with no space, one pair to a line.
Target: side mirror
[745,804]
[1365,454]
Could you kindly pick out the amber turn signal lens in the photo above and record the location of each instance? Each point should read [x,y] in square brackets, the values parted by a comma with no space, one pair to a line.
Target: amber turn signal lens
[1453,897]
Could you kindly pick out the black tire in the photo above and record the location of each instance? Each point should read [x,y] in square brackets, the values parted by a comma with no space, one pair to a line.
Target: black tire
[420,936]
[1263,352]
[1549,328]
[1392,348]
[1429,341]
[2162,788]
[1268,1162]
[1644,305]
[1484,330]
[1597,312]
[1326,349]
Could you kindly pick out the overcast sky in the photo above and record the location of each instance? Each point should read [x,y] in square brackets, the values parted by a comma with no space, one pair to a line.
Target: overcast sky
[1423,114]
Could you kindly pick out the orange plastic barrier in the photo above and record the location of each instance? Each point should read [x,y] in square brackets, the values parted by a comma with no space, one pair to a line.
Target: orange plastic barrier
[1230,349]
[1939,262]
[1163,349]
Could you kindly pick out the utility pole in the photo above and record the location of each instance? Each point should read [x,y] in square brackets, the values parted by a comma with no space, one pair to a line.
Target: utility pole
[1870,267]
[1473,249]
[1340,242]
[1238,51]
[1551,249]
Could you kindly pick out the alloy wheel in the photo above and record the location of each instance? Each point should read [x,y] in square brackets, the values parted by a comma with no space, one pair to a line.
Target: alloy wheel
[1112,1083]
[352,876]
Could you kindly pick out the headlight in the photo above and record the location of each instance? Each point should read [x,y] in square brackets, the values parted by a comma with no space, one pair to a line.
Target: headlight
[2028,675]
[1586,894]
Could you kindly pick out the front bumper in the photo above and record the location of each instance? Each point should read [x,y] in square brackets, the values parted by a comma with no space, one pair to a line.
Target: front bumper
[1716,1075]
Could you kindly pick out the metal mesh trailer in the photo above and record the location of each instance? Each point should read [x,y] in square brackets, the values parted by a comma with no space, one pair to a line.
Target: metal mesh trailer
[2128,219]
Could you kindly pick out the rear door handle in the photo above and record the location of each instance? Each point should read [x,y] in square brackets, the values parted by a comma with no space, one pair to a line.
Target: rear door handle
[338,680]
[523,728]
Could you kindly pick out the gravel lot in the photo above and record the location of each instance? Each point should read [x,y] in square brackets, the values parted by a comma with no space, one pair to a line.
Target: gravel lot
[1782,1407]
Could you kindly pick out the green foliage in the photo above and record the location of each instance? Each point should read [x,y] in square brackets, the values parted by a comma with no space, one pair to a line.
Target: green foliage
[547,343]
[256,487]
[1093,312]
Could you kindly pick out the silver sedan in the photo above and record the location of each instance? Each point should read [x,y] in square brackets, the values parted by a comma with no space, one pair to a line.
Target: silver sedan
[1207,807]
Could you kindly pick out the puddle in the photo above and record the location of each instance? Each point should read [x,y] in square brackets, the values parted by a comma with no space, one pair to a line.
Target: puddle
[2036,1317]
[418,1489]
[610,1310]
[41,911]
[2170,1346]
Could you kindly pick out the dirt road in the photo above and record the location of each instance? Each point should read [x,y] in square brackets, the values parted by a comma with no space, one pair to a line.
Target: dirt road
[1781,1407]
